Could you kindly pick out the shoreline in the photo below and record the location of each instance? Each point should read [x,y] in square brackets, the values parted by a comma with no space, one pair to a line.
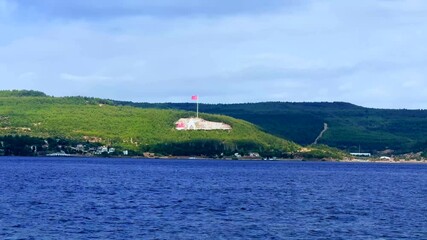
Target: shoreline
[410,161]
[400,161]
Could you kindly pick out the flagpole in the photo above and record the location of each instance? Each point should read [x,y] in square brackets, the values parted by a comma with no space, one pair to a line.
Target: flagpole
[197,107]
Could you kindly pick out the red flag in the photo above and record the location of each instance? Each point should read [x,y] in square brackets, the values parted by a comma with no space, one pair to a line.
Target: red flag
[195,97]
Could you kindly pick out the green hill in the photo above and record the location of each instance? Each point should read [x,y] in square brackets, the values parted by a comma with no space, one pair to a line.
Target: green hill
[74,120]
[350,127]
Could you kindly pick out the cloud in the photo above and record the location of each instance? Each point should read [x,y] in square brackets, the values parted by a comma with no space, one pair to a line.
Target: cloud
[369,52]
[85,79]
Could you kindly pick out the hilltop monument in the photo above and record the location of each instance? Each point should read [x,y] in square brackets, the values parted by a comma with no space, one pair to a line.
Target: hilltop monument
[186,124]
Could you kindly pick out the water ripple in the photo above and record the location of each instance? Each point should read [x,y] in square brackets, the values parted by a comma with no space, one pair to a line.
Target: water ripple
[150,199]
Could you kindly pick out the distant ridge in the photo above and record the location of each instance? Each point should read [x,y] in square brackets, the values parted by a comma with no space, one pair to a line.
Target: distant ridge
[21,93]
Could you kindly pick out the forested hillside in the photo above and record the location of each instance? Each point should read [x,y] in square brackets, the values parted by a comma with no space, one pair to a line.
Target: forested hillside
[350,127]
[90,120]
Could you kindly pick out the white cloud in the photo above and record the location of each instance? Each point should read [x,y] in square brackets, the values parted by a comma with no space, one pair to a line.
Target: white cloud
[362,52]
[85,79]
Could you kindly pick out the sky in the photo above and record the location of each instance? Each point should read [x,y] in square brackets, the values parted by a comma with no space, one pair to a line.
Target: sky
[371,53]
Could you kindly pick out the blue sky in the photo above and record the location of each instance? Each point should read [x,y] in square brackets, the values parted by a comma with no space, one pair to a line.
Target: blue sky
[368,52]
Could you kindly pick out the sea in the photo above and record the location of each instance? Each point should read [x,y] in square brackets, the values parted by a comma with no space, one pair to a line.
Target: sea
[95,198]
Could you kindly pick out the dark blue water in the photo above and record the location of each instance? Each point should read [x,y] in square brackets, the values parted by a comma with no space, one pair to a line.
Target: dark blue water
[48,198]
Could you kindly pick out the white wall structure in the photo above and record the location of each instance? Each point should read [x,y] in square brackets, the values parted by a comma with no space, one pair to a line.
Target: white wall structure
[186,124]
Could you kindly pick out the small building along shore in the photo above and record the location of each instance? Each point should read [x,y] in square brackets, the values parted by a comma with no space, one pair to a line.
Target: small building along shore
[361,154]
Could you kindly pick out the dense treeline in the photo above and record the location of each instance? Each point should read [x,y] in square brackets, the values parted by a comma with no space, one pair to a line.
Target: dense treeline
[21,93]
[215,148]
[19,145]
[24,145]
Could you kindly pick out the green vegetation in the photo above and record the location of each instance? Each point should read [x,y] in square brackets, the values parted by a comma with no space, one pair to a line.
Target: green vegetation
[24,145]
[320,151]
[125,125]
[21,93]
[96,121]
[350,127]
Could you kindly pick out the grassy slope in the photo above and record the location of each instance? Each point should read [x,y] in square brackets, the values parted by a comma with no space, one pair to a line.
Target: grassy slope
[74,118]
[350,126]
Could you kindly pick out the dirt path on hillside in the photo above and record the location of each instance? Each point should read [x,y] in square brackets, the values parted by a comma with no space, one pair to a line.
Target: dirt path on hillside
[325,128]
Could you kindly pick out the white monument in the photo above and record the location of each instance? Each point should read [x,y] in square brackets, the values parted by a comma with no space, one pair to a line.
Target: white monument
[186,124]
